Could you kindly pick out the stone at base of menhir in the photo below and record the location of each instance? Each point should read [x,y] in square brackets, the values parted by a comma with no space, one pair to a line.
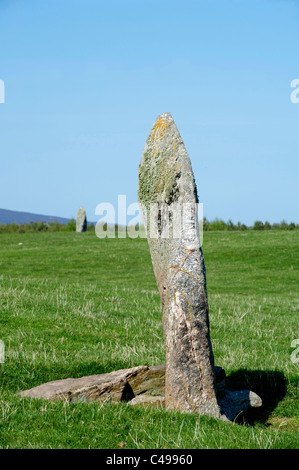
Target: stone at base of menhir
[148,400]
[138,386]
[110,387]
[234,403]
[231,403]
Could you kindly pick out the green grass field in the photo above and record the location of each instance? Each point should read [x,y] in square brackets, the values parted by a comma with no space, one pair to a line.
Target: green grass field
[73,305]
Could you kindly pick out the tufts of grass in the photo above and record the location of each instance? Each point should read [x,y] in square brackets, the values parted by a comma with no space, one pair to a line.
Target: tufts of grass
[74,305]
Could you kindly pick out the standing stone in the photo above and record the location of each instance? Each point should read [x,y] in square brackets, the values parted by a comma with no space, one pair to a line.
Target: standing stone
[168,198]
[189,382]
[81,222]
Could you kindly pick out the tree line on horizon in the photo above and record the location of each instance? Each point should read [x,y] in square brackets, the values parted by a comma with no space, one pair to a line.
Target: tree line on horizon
[33,227]
[214,225]
[219,224]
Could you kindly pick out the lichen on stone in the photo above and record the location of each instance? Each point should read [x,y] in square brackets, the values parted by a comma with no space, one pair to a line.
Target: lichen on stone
[158,176]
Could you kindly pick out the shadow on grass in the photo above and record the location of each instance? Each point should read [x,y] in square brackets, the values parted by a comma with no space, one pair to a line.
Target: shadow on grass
[270,385]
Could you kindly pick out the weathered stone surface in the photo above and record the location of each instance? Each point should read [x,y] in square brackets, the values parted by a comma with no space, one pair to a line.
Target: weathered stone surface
[148,400]
[138,386]
[168,198]
[149,382]
[113,386]
[167,186]
[81,222]
[120,385]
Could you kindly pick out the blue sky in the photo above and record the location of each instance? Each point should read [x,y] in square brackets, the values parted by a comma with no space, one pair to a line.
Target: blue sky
[86,79]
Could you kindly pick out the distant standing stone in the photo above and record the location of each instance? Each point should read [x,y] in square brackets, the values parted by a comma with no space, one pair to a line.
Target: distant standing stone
[81,222]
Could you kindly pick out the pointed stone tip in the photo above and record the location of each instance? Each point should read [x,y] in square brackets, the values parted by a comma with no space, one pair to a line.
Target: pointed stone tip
[81,211]
[164,115]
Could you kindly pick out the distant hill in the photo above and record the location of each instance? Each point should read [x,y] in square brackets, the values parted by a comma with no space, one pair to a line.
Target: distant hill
[8,217]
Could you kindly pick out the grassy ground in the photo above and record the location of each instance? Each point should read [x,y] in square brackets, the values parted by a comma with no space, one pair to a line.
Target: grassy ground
[73,305]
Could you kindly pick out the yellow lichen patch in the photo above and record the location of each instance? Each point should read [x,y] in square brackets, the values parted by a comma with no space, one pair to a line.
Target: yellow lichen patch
[173,149]
[159,129]
[190,311]
[181,270]
[158,134]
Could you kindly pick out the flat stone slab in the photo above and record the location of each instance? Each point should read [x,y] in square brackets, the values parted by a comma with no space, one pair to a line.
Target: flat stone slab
[148,400]
[113,386]
[138,386]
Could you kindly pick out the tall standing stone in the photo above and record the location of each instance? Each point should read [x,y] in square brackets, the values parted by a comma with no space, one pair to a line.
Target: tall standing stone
[168,198]
[81,222]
